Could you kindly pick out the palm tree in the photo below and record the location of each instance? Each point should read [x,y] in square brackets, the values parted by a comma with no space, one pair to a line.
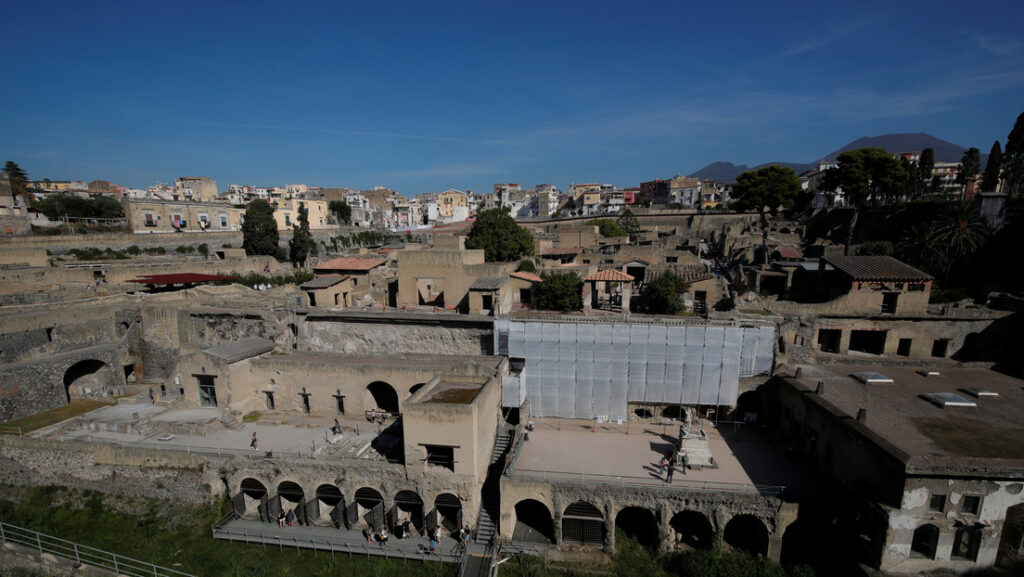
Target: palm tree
[961,231]
[921,247]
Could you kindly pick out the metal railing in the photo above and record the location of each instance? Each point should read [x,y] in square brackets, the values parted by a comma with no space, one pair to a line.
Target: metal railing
[628,481]
[83,554]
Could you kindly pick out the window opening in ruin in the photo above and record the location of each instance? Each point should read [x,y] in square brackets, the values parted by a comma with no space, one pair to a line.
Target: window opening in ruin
[339,400]
[270,400]
[488,302]
[889,303]
[747,533]
[971,505]
[693,529]
[207,391]
[872,342]
[583,523]
[828,340]
[939,348]
[525,295]
[312,298]
[305,400]
[915,288]
[49,334]
[937,503]
[441,455]
[903,349]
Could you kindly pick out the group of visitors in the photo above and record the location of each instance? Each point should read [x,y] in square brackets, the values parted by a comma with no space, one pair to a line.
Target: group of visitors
[152,396]
[667,465]
[286,518]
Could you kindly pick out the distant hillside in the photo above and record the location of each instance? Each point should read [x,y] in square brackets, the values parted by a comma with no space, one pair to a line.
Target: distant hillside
[944,152]
[895,143]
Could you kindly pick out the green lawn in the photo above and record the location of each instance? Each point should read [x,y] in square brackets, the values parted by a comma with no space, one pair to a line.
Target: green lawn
[46,418]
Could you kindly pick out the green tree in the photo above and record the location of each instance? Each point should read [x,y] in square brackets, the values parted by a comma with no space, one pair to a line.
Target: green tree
[560,291]
[961,232]
[341,210]
[259,230]
[17,177]
[970,166]
[608,227]
[925,167]
[501,239]
[1013,157]
[866,175]
[204,249]
[990,182]
[527,266]
[662,294]
[921,247]
[628,222]
[302,243]
[766,190]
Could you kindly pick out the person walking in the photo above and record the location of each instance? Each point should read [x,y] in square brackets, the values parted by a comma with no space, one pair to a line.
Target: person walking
[254,443]
[152,399]
[661,465]
[671,469]
[686,462]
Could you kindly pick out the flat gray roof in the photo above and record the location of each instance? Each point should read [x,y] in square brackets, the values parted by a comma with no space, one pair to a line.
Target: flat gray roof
[488,283]
[929,435]
[235,351]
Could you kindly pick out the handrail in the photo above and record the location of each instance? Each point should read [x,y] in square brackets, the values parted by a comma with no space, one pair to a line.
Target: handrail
[83,554]
[625,481]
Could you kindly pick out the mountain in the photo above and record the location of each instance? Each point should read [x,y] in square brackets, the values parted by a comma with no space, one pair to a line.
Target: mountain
[895,143]
[944,152]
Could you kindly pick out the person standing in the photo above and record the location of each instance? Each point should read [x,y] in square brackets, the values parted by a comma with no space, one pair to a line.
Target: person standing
[671,469]
[686,461]
[254,442]
[152,399]
[290,517]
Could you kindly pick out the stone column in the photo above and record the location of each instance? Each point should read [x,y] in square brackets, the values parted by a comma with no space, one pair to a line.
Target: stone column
[609,527]
[775,547]
[666,537]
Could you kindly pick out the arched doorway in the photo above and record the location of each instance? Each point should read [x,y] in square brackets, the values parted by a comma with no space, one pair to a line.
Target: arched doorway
[638,524]
[747,533]
[583,523]
[692,529]
[533,523]
[408,506]
[87,378]
[749,407]
[292,498]
[926,540]
[449,512]
[367,508]
[966,543]
[251,499]
[330,506]
[381,396]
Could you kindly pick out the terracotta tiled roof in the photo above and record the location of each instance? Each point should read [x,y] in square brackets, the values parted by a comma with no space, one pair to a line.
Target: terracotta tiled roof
[561,251]
[526,276]
[786,251]
[880,268]
[350,263]
[610,275]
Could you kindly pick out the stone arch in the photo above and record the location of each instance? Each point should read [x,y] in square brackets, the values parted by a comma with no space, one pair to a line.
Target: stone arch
[409,505]
[925,541]
[367,508]
[747,533]
[86,377]
[291,494]
[749,402]
[583,523]
[966,543]
[643,412]
[416,387]
[449,511]
[693,529]
[253,495]
[639,524]
[330,504]
[533,522]
[381,396]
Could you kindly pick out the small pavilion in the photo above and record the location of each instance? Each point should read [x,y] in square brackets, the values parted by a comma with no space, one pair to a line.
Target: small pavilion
[610,285]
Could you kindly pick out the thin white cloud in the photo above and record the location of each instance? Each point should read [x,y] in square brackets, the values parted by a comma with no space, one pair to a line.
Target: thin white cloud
[349,132]
[998,45]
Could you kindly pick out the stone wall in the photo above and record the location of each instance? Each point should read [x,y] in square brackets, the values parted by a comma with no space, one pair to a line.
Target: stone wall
[396,336]
[106,468]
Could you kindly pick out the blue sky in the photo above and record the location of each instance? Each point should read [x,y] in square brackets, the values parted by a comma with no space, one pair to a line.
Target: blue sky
[425,96]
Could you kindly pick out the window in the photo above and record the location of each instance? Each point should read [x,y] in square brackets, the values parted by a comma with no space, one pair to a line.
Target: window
[305,400]
[441,455]
[937,504]
[270,400]
[223,221]
[971,505]
[671,259]
[828,340]
[288,220]
[939,348]
[889,303]
[903,349]
[207,391]
[339,400]
[915,288]
[966,542]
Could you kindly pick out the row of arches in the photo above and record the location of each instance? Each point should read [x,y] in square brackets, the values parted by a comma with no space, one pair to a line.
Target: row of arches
[583,523]
[365,507]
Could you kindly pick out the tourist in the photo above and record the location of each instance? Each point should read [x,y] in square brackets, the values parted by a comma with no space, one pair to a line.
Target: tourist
[466,536]
[661,465]
[430,546]
[686,462]
[163,391]
[336,429]
[152,399]
[383,537]
[437,534]
[370,536]
[254,442]
[280,518]
[290,518]
[671,468]
[405,529]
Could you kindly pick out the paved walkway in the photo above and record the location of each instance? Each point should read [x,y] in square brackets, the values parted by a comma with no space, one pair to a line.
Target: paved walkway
[335,540]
